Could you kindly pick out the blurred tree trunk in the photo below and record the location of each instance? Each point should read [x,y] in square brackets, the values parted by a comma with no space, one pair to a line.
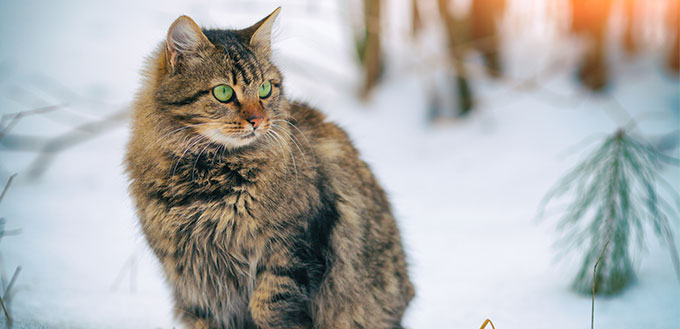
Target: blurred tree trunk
[673,60]
[371,57]
[630,22]
[416,19]
[590,18]
[456,33]
[484,32]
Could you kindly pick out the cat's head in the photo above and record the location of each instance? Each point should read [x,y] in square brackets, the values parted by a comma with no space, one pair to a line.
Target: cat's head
[221,83]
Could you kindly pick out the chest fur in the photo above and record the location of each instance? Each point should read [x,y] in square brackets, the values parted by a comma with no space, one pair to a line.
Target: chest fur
[210,224]
[212,245]
[204,223]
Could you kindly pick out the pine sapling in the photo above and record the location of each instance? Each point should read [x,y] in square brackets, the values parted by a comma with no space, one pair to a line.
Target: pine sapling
[613,193]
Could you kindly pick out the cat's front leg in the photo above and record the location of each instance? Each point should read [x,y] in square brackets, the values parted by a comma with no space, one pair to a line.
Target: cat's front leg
[194,318]
[279,301]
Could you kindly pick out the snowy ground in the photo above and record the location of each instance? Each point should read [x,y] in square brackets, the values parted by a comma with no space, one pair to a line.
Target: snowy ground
[465,191]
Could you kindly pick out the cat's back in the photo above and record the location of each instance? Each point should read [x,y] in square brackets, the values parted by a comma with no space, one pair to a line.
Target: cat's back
[369,259]
[337,155]
[329,142]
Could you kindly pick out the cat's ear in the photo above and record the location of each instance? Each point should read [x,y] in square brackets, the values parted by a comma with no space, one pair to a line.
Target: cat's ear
[261,32]
[184,40]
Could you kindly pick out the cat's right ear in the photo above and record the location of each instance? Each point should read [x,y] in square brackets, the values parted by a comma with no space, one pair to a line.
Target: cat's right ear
[185,39]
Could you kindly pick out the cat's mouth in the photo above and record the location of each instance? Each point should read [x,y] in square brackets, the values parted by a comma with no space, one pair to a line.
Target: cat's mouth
[248,135]
[230,140]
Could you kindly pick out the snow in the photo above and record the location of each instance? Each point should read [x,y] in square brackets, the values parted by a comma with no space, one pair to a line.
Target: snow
[465,191]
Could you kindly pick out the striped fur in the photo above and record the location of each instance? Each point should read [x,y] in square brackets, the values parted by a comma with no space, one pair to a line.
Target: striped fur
[287,229]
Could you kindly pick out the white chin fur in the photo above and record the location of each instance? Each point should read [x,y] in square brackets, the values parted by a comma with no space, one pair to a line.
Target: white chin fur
[230,142]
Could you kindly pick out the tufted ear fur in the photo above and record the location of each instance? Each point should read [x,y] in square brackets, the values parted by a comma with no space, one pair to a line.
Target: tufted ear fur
[260,33]
[184,40]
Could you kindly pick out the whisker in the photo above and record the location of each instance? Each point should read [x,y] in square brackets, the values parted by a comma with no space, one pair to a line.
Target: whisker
[300,131]
[275,141]
[292,139]
[296,128]
[185,143]
[175,131]
[216,153]
[193,169]
[200,137]
[292,157]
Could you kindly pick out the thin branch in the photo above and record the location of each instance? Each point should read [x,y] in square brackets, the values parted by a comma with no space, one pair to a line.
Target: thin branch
[15,231]
[130,265]
[592,308]
[14,118]
[6,295]
[77,135]
[9,320]
[9,182]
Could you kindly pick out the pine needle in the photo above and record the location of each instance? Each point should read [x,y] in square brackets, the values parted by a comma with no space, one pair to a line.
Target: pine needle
[612,192]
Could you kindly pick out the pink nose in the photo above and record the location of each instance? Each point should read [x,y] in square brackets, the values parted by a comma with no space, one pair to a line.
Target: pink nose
[255,121]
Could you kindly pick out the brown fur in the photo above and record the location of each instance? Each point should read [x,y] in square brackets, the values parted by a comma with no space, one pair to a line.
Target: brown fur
[287,231]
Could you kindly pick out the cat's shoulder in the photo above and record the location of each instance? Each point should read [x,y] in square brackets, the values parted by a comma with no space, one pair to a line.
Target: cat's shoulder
[330,140]
[314,120]
[305,114]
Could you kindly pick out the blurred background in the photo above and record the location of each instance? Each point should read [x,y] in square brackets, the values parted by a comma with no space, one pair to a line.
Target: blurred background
[468,111]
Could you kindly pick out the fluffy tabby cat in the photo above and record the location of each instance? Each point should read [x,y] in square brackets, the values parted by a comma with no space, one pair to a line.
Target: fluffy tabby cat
[259,210]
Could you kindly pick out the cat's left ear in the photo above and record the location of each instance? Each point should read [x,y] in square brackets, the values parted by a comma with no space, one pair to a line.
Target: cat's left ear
[185,40]
[261,32]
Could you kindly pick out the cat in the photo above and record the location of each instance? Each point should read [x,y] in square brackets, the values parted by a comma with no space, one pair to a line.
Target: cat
[259,210]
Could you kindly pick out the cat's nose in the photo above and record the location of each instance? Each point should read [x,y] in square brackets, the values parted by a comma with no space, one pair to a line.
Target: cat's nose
[255,121]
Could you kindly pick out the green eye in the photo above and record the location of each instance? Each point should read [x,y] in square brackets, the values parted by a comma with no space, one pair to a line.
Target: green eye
[223,93]
[265,89]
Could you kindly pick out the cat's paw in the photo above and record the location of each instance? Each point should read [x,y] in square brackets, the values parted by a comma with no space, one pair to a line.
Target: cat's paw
[201,324]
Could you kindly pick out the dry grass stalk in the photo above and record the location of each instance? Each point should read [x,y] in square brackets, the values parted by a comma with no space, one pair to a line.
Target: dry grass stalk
[592,305]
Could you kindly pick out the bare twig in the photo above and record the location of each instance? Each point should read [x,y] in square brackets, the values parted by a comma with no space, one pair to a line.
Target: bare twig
[4,190]
[77,135]
[6,293]
[4,233]
[133,274]
[23,143]
[130,266]
[8,319]
[10,232]
[13,118]
[592,308]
